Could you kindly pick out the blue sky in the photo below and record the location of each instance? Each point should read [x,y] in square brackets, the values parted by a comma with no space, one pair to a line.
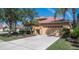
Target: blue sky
[46,12]
[49,12]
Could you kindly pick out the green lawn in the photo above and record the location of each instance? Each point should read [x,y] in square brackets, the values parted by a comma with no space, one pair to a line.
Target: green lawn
[62,44]
[6,38]
[13,37]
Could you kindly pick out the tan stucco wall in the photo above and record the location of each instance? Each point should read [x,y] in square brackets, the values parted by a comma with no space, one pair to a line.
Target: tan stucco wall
[47,31]
[50,31]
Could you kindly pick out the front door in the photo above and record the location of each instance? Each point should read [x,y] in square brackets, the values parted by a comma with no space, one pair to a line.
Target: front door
[38,31]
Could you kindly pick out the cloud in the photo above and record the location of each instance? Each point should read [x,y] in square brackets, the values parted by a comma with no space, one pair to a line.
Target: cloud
[52,10]
[69,14]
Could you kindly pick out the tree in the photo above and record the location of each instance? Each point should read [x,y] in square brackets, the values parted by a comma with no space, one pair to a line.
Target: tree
[10,16]
[31,13]
[74,17]
[78,19]
[62,11]
[34,22]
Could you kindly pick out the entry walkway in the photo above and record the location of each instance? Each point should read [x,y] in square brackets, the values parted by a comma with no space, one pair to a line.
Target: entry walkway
[40,42]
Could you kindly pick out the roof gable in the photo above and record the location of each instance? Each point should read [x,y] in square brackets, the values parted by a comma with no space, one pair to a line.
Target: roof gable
[50,19]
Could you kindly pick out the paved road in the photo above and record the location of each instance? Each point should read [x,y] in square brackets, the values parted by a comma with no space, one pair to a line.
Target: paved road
[39,42]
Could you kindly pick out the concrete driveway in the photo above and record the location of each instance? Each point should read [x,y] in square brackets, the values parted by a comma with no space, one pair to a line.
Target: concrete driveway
[40,42]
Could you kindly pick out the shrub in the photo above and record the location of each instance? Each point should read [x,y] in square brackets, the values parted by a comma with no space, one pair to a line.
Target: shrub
[25,31]
[14,33]
[75,33]
[66,33]
[28,32]
[22,31]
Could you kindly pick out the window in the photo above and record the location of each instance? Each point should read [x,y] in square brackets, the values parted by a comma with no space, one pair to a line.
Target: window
[53,26]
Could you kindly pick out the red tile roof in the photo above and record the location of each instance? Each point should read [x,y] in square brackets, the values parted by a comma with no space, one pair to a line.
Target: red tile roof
[19,27]
[50,19]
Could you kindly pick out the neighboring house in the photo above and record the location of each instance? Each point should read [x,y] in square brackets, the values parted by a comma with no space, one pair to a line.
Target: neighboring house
[1,27]
[5,28]
[50,26]
[19,27]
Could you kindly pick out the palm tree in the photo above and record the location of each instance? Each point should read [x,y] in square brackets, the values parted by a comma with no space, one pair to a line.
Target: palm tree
[74,17]
[78,19]
[61,12]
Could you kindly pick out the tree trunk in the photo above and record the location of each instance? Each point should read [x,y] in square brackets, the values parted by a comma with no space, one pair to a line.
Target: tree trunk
[10,26]
[74,17]
[14,25]
[65,9]
[55,14]
[65,13]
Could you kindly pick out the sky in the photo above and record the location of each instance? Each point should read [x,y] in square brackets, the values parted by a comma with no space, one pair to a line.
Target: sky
[49,12]
[45,12]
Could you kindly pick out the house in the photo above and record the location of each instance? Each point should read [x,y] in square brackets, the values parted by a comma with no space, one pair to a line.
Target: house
[5,28]
[50,26]
[1,27]
[19,27]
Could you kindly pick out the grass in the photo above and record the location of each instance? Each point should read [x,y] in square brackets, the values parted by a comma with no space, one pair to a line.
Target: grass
[13,37]
[62,44]
[6,38]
